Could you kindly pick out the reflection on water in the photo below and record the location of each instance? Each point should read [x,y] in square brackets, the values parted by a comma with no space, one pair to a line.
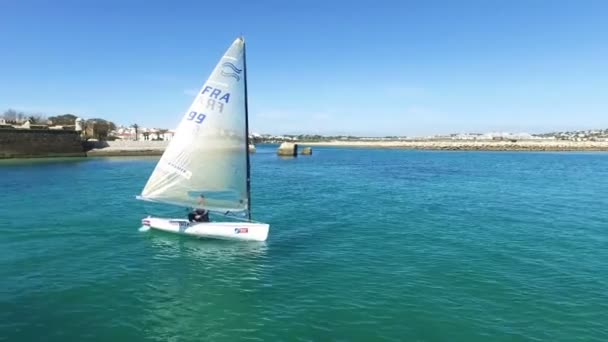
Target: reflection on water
[125,159]
[198,287]
[39,161]
[172,245]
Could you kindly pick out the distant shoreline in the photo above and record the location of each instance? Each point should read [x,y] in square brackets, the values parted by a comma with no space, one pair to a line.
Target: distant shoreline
[157,148]
[475,145]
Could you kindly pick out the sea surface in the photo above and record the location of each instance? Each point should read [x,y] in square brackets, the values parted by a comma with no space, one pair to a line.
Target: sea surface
[365,245]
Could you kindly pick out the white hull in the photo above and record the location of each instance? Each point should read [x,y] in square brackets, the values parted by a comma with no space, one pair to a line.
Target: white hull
[247,231]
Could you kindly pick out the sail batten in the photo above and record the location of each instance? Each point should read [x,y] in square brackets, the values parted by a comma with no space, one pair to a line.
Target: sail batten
[179,204]
[206,155]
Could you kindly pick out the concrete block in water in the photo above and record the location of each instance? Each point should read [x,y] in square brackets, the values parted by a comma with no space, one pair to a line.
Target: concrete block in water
[307,151]
[288,149]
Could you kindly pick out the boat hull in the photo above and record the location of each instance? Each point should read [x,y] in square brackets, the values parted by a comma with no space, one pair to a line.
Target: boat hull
[246,231]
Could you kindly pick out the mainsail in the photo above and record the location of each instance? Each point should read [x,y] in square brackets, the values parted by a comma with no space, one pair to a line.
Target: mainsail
[208,153]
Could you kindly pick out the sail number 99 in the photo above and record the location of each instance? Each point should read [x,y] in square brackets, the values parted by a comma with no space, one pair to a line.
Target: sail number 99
[196,117]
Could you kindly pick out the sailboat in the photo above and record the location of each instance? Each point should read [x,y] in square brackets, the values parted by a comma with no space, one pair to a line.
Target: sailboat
[208,156]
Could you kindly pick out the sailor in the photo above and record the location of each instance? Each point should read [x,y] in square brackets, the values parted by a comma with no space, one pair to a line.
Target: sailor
[199,214]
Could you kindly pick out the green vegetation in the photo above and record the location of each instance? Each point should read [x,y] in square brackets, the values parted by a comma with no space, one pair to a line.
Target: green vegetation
[17,117]
[96,128]
[99,129]
[136,127]
[63,120]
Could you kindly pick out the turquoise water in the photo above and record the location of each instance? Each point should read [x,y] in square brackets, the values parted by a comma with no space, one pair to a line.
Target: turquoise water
[365,245]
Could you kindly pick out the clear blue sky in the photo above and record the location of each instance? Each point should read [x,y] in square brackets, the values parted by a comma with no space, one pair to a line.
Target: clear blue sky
[329,67]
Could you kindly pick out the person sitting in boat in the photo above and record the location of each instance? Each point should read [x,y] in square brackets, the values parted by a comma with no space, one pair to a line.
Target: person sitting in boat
[199,214]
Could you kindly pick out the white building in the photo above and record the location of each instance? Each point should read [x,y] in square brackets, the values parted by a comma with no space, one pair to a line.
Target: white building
[147,134]
[124,133]
[168,136]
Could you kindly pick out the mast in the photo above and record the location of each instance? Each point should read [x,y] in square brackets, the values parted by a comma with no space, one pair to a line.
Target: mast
[247,132]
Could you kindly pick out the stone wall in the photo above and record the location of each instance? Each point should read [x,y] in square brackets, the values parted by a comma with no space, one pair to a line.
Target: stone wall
[34,143]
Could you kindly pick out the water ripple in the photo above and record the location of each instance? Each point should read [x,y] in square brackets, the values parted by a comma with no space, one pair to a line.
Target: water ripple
[370,245]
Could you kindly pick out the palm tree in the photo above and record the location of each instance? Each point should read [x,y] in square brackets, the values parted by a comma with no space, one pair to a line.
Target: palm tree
[136,126]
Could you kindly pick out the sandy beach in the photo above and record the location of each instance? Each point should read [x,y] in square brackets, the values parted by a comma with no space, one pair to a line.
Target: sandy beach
[129,148]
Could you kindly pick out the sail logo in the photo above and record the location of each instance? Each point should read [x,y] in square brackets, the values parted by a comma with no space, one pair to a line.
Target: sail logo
[176,169]
[180,223]
[230,70]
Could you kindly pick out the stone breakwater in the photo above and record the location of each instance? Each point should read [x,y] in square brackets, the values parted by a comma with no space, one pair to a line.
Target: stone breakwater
[156,148]
[475,145]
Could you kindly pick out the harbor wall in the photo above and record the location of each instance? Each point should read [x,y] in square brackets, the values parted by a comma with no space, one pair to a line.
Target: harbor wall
[39,143]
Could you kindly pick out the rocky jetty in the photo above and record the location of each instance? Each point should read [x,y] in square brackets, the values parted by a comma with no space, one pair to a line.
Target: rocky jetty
[156,148]
[475,145]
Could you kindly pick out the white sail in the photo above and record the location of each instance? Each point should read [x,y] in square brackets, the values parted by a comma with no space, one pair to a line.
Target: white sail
[208,153]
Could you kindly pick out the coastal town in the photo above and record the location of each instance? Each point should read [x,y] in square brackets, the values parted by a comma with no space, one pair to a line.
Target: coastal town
[584,135]
[104,138]
[146,134]
[107,130]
